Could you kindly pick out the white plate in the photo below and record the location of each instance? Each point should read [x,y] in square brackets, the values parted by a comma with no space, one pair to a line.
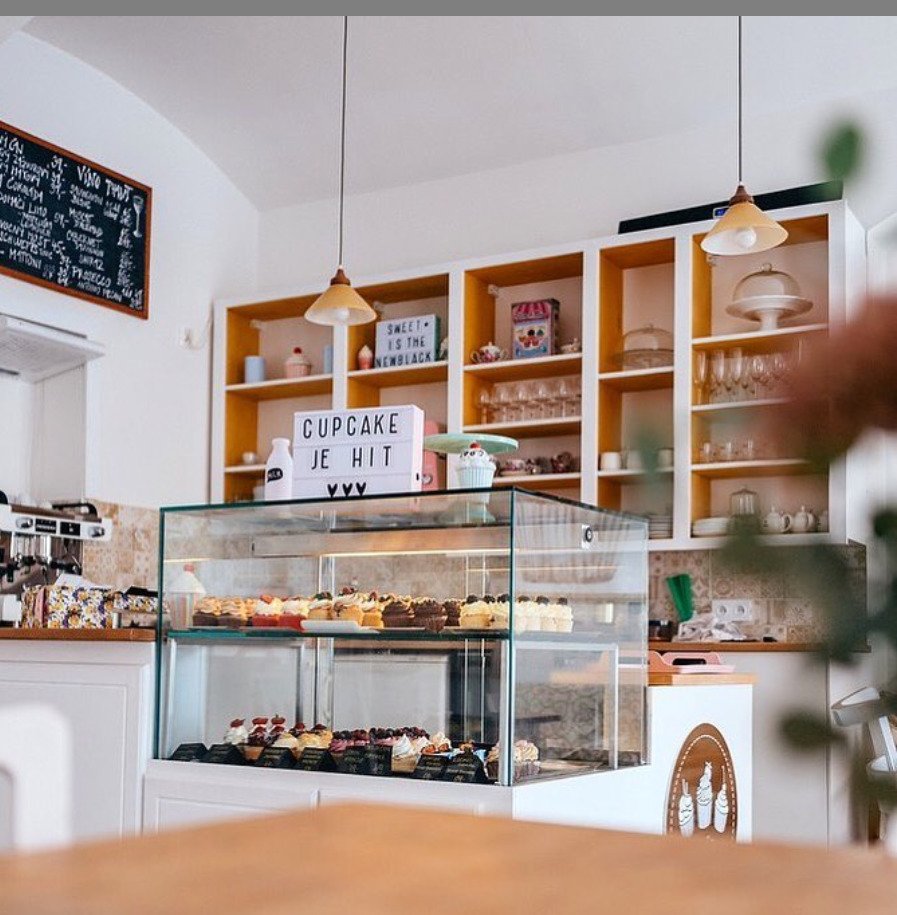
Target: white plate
[330,626]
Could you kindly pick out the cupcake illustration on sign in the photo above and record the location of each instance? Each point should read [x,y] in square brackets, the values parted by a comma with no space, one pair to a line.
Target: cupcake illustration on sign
[711,810]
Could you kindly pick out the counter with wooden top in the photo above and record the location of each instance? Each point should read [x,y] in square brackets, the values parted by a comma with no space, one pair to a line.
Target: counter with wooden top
[102,682]
[388,860]
[9,633]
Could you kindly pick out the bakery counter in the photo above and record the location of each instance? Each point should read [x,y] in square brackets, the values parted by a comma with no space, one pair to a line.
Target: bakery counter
[102,682]
[688,727]
[8,633]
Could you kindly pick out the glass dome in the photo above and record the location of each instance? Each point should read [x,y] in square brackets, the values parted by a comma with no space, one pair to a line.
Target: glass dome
[646,347]
[766,282]
[768,296]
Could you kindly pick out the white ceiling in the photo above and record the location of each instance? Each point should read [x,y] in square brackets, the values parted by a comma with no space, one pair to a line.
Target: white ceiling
[432,97]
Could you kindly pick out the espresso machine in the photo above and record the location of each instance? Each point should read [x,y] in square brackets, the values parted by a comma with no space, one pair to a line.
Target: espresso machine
[37,545]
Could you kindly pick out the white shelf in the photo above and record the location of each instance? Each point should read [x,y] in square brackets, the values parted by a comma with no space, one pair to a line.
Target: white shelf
[531,428]
[246,469]
[772,467]
[654,379]
[736,405]
[282,388]
[524,369]
[632,476]
[539,480]
[757,336]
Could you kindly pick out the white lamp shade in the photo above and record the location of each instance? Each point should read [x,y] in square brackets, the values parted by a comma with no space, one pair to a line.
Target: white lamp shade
[743,229]
[340,304]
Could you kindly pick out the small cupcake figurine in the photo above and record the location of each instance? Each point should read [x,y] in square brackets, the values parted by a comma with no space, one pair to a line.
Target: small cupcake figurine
[237,735]
[365,358]
[475,468]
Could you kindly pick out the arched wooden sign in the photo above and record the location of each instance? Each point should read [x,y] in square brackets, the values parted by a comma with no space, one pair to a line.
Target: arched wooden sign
[702,801]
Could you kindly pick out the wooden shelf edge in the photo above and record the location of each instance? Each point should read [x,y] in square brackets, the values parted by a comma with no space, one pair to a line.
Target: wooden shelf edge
[752,335]
[400,375]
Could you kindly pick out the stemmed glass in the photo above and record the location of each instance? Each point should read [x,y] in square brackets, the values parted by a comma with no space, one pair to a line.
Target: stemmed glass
[717,375]
[502,404]
[735,372]
[521,400]
[137,203]
[543,398]
[759,375]
[701,368]
[484,402]
[778,370]
[563,390]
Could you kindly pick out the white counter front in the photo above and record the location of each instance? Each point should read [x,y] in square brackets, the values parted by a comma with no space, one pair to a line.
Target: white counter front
[687,725]
[102,683]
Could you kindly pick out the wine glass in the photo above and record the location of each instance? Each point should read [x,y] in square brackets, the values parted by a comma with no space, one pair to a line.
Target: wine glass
[778,369]
[701,368]
[735,372]
[759,374]
[563,389]
[717,375]
[502,404]
[521,400]
[542,397]
[484,402]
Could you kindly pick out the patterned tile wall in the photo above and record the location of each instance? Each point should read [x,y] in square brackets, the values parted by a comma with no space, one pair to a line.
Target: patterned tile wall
[130,558]
[781,605]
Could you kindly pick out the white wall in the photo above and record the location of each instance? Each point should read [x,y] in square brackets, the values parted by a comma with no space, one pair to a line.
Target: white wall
[566,198]
[147,399]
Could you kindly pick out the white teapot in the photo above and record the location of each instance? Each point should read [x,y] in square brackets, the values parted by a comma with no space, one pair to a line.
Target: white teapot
[803,521]
[777,522]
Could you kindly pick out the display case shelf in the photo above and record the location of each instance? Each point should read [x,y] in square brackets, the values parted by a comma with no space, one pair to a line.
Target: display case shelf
[282,388]
[525,369]
[653,379]
[530,428]
[772,467]
[400,375]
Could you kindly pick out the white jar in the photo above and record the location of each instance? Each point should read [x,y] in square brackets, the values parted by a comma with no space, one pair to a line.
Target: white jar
[279,471]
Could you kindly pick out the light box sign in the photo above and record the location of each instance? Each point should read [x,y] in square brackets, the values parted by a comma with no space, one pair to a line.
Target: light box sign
[343,453]
[407,341]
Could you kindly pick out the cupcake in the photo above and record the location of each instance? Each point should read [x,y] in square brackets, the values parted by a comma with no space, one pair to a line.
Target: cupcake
[267,611]
[348,606]
[321,606]
[234,612]
[404,755]
[258,739]
[475,613]
[206,612]
[438,743]
[475,468]
[237,735]
[430,614]
[398,614]
[452,612]
[295,610]
[288,741]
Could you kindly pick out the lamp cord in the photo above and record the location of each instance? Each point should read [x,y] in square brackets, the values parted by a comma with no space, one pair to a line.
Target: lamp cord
[342,149]
[740,139]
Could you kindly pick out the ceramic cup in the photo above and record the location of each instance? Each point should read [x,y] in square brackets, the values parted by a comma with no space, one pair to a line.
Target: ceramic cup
[611,460]
[253,369]
[250,457]
[664,458]
[634,460]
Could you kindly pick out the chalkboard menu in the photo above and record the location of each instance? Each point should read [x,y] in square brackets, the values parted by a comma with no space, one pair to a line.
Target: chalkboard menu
[72,225]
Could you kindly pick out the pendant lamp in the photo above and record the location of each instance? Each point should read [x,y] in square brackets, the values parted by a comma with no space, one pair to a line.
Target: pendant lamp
[744,228]
[340,303]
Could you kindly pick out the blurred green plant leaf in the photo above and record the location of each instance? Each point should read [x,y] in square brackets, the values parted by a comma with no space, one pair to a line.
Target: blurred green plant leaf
[806,731]
[842,151]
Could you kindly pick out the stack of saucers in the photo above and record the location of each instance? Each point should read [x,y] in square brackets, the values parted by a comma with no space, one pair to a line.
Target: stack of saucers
[710,527]
[660,527]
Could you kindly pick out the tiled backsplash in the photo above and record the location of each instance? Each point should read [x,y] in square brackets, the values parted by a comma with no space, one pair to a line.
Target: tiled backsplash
[131,557]
[781,607]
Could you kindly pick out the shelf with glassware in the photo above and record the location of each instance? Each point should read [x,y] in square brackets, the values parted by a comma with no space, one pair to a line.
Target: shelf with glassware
[740,462]
[636,378]
[606,288]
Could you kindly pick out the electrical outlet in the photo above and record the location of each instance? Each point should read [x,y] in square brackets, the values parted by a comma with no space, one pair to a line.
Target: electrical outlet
[733,610]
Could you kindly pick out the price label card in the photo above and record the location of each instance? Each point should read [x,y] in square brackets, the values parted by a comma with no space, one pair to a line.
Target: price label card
[431,768]
[379,760]
[466,767]
[354,761]
[276,758]
[189,752]
[225,754]
[316,759]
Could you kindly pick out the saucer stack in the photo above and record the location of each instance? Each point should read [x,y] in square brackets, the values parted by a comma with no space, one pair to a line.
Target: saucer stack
[710,527]
[660,527]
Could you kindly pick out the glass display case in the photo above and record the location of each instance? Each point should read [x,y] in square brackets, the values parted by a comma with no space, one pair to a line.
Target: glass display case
[486,635]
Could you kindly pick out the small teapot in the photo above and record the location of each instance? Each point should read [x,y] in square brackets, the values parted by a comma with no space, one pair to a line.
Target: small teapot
[777,522]
[803,521]
[488,353]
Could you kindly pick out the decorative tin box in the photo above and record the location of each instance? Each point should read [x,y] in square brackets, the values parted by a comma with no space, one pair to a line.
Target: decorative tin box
[535,328]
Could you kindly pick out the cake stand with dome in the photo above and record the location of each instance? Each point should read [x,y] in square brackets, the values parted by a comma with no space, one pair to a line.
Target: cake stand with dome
[768,296]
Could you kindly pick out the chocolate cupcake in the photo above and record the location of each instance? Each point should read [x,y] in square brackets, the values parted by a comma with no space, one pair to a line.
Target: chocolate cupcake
[430,614]
[452,612]
[397,614]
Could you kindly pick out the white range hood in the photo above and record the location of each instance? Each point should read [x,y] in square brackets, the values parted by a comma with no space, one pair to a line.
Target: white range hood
[35,351]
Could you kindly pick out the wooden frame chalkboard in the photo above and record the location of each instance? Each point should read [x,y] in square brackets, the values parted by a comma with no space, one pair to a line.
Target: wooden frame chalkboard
[58,214]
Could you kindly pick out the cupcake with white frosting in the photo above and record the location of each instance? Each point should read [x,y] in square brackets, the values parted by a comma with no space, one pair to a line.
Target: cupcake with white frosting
[475,468]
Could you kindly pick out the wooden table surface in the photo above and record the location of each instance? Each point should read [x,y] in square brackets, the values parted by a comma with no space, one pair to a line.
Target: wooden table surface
[388,861]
